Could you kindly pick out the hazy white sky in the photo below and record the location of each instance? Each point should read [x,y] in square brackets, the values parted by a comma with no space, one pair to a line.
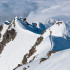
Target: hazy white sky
[39,9]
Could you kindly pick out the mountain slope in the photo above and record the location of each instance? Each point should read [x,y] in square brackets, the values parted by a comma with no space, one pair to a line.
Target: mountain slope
[48,50]
[24,48]
[59,61]
[14,50]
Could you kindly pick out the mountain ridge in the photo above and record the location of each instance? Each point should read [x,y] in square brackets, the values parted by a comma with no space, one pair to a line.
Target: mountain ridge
[27,49]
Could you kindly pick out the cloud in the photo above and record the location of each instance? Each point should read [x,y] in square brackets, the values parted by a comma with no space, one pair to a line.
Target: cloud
[55,9]
[35,10]
[9,9]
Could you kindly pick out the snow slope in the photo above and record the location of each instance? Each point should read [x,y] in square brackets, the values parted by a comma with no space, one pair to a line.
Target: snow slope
[36,29]
[58,60]
[25,39]
[14,51]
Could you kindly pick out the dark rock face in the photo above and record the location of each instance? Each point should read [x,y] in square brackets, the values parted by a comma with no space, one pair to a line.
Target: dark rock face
[0,35]
[24,61]
[32,50]
[42,59]
[39,40]
[7,37]
[12,23]
[50,52]
[59,23]
[1,27]
[24,68]
[17,66]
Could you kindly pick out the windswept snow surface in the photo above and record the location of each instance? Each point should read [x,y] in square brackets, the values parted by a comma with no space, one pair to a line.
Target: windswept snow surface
[56,30]
[57,61]
[14,51]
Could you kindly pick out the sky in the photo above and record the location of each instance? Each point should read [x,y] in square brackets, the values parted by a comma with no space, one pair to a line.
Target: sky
[34,10]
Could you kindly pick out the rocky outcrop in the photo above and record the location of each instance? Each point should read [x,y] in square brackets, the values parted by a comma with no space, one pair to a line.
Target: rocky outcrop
[12,24]
[24,68]
[42,59]
[1,27]
[58,23]
[32,50]
[0,35]
[17,66]
[24,61]
[50,52]
[38,41]
[7,37]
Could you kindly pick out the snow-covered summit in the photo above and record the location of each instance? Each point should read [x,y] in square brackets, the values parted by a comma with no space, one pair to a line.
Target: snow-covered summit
[37,28]
[33,46]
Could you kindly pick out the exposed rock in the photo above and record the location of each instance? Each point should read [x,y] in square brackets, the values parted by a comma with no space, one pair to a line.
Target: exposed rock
[28,66]
[24,19]
[1,48]
[24,68]
[50,52]
[24,61]
[17,66]
[27,23]
[39,39]
[7,37]
[32,50]
[0,35]
[1,27]
[35,24]
[59,23]
[9,26]
[42,59]
[12,23]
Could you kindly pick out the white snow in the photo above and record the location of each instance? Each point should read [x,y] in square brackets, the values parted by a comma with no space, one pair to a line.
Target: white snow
[14,51]
[56,30]
[57,61]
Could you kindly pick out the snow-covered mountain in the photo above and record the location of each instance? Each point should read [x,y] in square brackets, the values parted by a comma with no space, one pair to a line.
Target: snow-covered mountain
[36,46]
